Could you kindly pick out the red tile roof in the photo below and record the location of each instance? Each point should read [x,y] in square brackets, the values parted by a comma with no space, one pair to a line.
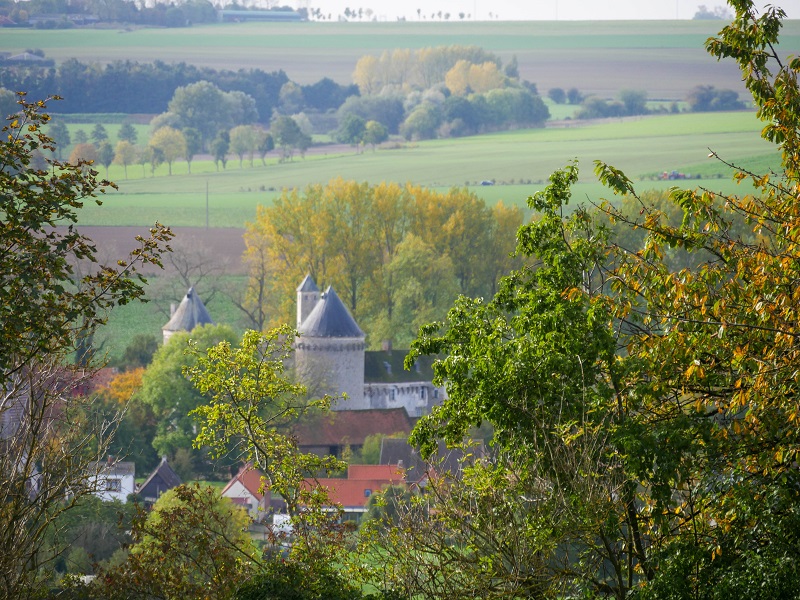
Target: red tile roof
[389,473]
[362,481]
[353,426]
[250,478]
[352,494]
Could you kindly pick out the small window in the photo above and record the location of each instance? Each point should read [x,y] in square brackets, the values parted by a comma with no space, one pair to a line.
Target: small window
[113,485]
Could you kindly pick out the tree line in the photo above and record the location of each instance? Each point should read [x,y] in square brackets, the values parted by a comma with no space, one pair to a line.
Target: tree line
[146,88]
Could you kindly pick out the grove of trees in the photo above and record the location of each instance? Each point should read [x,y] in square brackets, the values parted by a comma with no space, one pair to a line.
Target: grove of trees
[397,255]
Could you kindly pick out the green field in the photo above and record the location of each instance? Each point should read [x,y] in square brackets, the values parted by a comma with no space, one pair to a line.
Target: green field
[666,58]
[518,162]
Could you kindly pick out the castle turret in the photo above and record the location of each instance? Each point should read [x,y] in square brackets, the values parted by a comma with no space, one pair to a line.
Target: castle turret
[329,352]
[307,298]
[190,313]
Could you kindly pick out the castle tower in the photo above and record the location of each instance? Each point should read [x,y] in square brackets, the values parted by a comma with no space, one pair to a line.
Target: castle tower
[307,298]
[329,351]
[190,313]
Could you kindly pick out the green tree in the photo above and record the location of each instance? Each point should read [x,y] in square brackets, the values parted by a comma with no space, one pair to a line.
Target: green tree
[374,134]
[289,137]
[81,137]
[127,133]
[265,144]
[193,544]
[105,155]
[351,130]
[49,452]
[251,407]
[60,135]
[170,144]
[650,457]
[219,149]
[194,144]
[169,394]
[244,140]
[99,134]
[9,106]
[634,101]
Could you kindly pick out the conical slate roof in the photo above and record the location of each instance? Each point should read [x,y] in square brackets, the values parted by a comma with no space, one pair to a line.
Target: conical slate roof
[308,285]
[190,313]
[330,319]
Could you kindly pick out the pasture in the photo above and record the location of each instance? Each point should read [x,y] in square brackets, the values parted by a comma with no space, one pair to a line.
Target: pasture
[519,163]
[666,58]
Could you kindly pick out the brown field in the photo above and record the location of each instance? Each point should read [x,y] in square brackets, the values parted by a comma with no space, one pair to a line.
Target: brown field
[226,245]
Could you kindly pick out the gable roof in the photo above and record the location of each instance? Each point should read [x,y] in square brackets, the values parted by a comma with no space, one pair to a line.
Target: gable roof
[333,428]
[250,479]
[330,319]
[162,478]
[190,313]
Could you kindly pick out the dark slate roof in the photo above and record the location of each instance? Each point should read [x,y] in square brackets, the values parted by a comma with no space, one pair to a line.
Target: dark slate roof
[163,478]
[330,319]
[381,366]
[397,451]
[190,313]
[308,285]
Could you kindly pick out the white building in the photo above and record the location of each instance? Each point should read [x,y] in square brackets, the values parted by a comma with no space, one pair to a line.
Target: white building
[113,480]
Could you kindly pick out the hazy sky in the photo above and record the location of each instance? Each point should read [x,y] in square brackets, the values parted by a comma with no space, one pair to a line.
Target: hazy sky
[535,9]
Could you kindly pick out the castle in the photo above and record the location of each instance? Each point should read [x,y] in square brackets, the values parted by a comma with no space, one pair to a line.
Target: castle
[330,355]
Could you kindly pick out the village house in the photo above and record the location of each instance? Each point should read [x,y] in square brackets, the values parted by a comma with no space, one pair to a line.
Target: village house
[113,480]
[162,479]
[246,489]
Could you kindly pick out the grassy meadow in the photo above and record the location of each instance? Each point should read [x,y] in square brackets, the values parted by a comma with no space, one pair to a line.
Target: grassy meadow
[519,163]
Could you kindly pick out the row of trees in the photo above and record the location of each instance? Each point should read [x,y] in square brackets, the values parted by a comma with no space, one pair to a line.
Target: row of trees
[147,88]
[397,255]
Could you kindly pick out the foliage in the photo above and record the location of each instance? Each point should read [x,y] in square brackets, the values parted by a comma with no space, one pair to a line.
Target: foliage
[170,144]
[640,413]
[127,133]
[289,580]
[169,394]
[251,410]
[252,404]
[289,137]
[706,98]
[404,69]
[348,234]
[49,434]
[193,544]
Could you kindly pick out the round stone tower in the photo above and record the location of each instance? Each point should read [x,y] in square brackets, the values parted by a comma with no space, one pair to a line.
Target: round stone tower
[329,351]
